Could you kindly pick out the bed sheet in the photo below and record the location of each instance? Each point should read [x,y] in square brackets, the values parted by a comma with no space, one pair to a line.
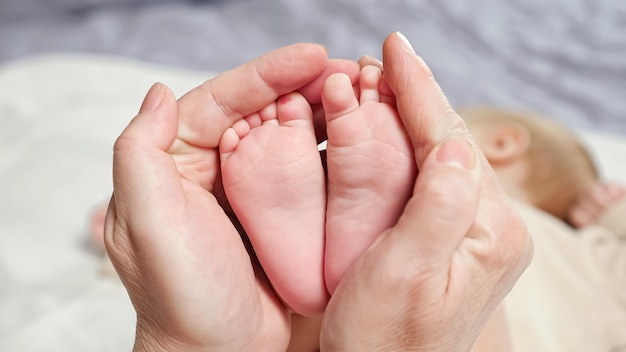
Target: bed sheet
[60,115]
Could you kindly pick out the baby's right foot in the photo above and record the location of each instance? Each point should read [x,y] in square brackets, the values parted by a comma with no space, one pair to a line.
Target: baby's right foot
[371,168]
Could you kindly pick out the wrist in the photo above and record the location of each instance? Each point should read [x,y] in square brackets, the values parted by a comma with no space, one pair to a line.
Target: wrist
[151,339]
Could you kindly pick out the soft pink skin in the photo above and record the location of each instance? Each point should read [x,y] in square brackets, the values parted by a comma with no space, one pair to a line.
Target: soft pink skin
[274,180]
[371,167]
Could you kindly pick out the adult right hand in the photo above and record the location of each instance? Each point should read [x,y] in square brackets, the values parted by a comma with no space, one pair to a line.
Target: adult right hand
[431,282]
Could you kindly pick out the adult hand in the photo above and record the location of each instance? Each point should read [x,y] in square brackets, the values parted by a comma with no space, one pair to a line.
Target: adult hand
[185,266]
[431,282]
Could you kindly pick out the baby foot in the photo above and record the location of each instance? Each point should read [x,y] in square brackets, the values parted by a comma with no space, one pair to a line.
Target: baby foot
[274,180]
[371,167]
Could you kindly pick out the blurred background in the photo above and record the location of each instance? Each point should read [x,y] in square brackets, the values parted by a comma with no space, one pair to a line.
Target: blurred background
[564,58]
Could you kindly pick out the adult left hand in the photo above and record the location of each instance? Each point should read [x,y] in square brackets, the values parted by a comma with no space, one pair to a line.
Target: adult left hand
[187,271]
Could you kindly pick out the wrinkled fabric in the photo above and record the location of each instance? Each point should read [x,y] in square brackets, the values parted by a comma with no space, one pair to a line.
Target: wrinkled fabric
[562,58]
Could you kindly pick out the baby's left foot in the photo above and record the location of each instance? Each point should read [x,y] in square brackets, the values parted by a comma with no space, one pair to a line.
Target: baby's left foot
[274,180]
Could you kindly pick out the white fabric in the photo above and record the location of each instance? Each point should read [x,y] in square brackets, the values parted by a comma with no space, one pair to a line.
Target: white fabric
[59,117]
[572,297]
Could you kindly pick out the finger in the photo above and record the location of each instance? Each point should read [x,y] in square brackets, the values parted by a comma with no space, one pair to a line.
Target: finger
[430,121]
[367,60]
[163,230]
[144,179]
[444,204]
[208,110]
[158,216]
[383,88]
[425,111]
[313,91]
[141,163]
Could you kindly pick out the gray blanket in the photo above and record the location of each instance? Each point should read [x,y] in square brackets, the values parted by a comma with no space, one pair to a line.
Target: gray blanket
[563,58]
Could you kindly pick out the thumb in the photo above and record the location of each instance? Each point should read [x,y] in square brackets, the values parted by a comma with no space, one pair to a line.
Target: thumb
[444,203]
[141,163]
[426,113]
[445,198]
[157,122]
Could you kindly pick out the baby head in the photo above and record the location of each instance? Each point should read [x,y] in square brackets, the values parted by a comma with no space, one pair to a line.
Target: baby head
[537,160]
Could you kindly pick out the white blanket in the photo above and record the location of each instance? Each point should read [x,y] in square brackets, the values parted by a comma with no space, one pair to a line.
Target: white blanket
[59,117]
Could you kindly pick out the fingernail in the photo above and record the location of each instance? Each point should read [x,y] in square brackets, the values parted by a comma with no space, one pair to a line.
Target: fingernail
[370,58]
[153,99]
[457,152]
[405,43]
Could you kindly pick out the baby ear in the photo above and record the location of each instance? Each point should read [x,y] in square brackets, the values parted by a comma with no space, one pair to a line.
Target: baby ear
[505,142]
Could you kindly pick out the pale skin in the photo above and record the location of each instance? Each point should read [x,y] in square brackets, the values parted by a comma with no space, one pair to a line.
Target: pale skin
[370,113]
[445,268]
[169,229]
[430,282]
[370,167]
[373,105]
[504,146]
[274,180]
[495,337]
